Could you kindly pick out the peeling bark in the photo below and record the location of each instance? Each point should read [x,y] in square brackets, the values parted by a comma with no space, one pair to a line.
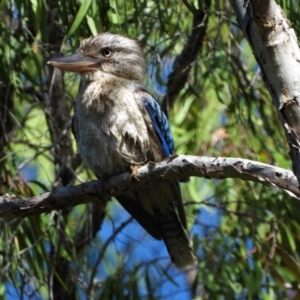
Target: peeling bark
[275,47]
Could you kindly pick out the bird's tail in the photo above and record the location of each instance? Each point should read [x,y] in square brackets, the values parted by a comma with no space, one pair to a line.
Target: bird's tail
[159,210]
[175,238]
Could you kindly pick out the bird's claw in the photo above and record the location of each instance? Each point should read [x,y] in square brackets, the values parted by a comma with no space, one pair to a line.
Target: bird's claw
[134,171]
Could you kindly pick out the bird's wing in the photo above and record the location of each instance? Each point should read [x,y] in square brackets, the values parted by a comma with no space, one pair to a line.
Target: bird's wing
[163,131]
[162,146]
[155,207]
[171,223]
[159,122]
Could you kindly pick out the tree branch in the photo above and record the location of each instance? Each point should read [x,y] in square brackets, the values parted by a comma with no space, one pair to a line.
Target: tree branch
[173,168]
[275,47]
[185,60]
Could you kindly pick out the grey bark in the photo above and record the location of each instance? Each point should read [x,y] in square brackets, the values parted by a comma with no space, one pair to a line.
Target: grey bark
[173,168]
[275,47]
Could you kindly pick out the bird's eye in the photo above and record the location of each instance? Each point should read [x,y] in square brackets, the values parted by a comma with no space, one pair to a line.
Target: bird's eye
[106,52]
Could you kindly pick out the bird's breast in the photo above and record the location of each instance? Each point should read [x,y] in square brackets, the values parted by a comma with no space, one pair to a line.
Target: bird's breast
[112,129]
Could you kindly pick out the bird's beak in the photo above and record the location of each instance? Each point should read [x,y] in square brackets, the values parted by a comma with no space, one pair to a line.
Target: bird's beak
[76,63]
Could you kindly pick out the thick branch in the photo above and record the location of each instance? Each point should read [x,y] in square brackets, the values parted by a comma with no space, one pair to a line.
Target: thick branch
[174,168]
[185,60]
[275,47]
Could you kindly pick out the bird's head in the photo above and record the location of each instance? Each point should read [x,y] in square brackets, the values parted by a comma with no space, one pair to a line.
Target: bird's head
[109,53]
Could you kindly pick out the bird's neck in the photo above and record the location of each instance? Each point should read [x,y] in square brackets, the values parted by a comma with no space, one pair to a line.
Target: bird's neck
[100,87]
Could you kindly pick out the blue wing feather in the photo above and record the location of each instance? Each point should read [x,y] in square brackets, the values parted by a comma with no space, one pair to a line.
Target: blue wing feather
[160,123]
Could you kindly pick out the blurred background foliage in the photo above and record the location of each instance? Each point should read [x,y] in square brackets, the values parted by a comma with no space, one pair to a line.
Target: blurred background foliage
[246,235]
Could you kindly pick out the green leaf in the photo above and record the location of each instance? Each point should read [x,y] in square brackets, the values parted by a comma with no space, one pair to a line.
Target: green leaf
[79,17]
[92,25]
[289,236]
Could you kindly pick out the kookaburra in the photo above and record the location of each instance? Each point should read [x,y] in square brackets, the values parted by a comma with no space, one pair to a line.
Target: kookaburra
[119,125]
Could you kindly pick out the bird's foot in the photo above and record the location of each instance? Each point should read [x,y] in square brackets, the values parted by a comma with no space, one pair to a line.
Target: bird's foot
[134,171]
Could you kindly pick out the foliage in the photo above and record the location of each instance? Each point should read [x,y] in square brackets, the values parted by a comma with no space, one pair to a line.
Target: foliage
[245,234]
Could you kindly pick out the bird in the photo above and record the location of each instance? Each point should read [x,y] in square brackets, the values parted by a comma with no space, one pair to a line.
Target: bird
[119,126]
